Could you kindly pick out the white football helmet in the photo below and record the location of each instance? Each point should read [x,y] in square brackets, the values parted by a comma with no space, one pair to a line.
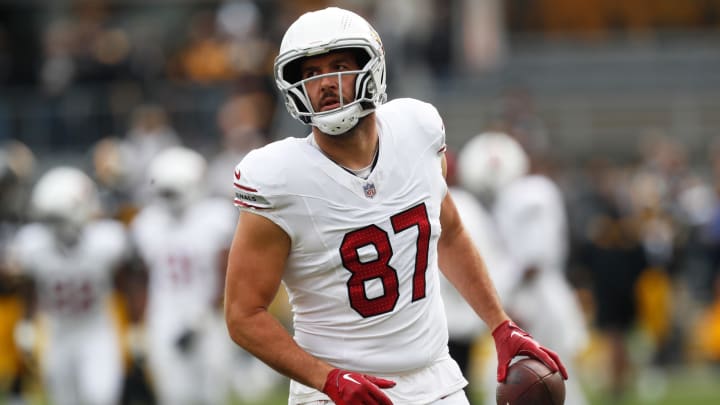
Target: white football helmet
[66,198]
[177,175]
[320,32]
[489,161]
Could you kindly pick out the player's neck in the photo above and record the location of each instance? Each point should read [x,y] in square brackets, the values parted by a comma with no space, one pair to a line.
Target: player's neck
[355,149]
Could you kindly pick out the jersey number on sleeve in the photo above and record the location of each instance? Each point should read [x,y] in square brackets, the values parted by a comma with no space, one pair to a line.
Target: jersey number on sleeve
[380,268]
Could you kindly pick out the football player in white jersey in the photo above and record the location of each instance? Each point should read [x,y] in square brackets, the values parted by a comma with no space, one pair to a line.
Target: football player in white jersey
[529,214]
[71,255]
[183,238]
[349,219]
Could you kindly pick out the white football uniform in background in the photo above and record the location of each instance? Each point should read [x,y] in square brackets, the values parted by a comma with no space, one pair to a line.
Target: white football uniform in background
[183,256]
[530,215]
[362,275]
[81,358]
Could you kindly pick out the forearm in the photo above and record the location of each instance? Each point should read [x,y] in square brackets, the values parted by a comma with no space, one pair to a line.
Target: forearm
[263,336]
[463,266]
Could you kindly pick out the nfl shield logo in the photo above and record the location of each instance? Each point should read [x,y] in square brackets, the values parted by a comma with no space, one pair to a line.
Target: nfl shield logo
[369,189]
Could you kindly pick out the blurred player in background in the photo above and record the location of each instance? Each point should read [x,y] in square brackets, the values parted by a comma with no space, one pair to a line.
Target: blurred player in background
[71,255]
[349,219]
[464,327]
[529,214]
[612,254]
[183,239]
[17,165]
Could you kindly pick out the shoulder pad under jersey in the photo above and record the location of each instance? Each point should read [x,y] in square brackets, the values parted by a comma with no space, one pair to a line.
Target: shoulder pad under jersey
[426,117]
[260,178]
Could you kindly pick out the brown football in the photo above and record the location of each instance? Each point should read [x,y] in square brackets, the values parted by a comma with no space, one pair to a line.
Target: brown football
[530,382]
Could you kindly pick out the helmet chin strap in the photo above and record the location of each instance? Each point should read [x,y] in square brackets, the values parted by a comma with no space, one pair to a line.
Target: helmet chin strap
[341,121]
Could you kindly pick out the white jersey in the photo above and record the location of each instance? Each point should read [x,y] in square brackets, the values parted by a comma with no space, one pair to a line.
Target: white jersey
[73,283]
[183,257]
[362,274]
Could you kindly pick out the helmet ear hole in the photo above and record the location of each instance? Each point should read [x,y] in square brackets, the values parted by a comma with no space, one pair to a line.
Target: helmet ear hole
[291,71]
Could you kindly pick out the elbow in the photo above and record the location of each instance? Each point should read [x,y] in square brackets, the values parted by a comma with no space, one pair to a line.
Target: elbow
[235,324]
[241,323]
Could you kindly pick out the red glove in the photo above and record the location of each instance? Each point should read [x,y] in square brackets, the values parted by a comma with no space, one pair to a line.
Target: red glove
[347,388]
[511,341]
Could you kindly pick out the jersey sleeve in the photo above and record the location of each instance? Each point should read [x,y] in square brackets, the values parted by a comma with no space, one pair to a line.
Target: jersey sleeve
[432,121]
[424,120]
[27,247]
[258,186]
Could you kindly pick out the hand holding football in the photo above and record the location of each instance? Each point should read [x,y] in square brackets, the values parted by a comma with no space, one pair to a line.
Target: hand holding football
[530,382]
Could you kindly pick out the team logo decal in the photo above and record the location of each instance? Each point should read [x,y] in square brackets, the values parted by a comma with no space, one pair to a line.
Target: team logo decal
[369,189]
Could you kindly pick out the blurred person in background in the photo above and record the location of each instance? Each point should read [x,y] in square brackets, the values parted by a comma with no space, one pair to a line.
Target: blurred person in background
[205,58]
[698,202]
[464,327]
[70,257]
[706,329]
[349,220]
[655,293]
[529,215]
[85,45]
[182,236]
[611,255]
[17,166]
[711,231]
[250,49]
[111,169]
[666,207]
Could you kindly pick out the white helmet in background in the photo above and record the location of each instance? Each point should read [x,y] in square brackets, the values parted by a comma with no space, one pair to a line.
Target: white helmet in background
[490,161]
[324,31]
[66,198]
[177,176]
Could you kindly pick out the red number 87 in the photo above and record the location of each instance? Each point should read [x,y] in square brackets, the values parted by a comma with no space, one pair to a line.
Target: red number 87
[380,268]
